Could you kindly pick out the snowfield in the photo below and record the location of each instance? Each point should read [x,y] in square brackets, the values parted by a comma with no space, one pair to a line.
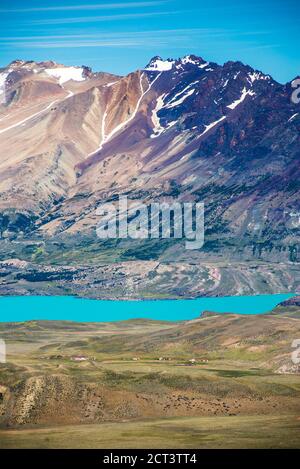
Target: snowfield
[66,74]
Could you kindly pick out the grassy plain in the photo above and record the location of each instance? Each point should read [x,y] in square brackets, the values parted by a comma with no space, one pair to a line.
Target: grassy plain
[220,381]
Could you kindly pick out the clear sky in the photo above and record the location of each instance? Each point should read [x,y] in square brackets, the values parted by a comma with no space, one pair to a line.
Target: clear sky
[120,36]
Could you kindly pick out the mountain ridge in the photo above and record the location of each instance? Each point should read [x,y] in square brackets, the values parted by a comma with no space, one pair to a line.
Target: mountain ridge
[185,59]
[185,129]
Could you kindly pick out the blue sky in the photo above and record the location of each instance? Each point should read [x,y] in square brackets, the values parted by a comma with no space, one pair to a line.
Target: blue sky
[120,36]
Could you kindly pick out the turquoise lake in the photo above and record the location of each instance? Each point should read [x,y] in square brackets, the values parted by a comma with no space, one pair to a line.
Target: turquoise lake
[25,308]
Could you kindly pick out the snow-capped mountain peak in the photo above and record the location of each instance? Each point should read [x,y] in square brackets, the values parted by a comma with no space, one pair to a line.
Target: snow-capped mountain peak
[192,59]
[157,64]
[199,124]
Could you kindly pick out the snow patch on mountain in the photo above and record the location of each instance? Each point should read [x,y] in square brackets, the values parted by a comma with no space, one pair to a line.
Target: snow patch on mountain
[66,74]
[159,65]
[177,99]
[108,85]
[182,92]
[180,100]
[257,76]
[163,129]
[213,124]
[192,59]
[3,77]
[188,59]
[245,93]
[157,128]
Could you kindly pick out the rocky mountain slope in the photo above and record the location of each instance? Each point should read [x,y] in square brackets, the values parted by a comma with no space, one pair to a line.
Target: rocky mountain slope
[183,129]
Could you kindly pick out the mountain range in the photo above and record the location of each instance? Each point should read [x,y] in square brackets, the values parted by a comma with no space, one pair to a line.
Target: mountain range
[185,129]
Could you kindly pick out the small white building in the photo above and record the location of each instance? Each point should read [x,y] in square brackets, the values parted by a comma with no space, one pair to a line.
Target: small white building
[79,358]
